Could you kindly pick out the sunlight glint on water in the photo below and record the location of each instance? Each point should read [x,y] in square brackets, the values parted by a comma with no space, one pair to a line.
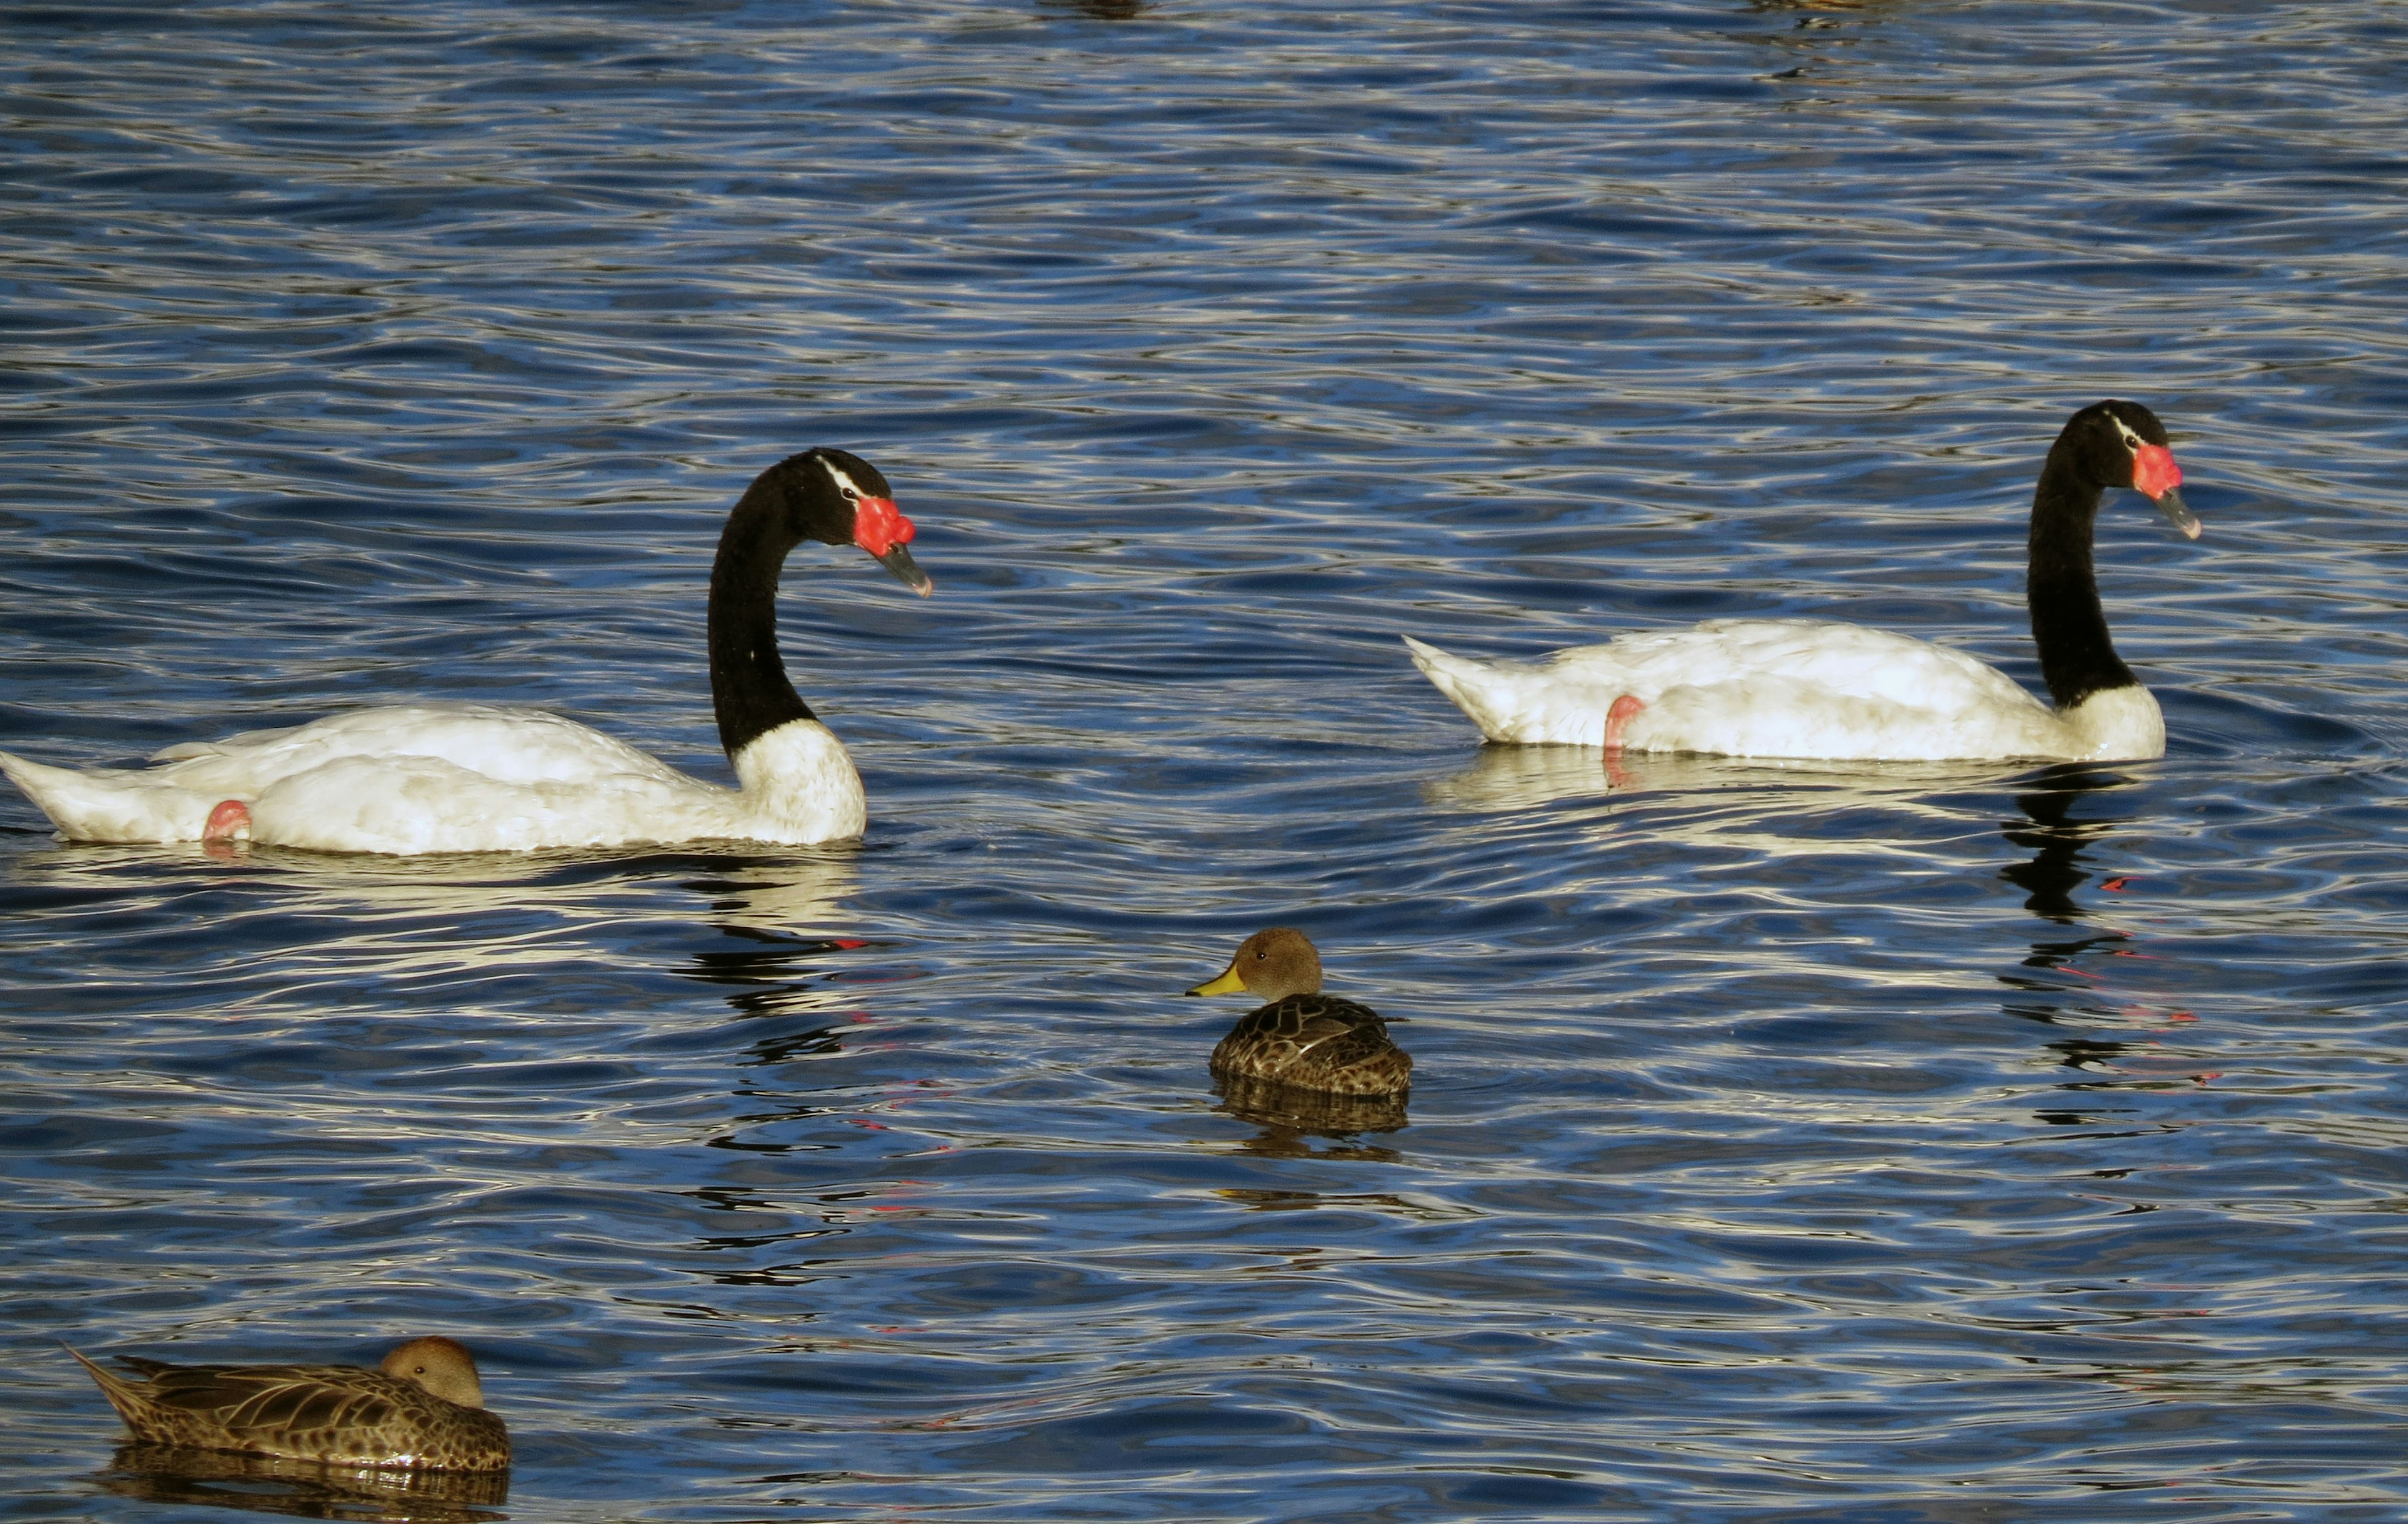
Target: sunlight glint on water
[1915,1143]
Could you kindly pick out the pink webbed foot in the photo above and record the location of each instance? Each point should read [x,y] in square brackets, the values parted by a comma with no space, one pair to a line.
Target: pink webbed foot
[228,823]
[1617,721]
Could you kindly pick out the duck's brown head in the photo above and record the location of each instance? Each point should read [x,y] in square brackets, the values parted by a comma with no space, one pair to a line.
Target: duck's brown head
[1271,964]
[442,1366]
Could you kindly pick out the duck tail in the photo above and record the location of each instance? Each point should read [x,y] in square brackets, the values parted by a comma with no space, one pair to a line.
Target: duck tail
[121,1392]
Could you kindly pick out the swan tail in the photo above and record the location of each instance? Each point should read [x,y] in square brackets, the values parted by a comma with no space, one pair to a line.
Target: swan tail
[1511,701]
[110,803]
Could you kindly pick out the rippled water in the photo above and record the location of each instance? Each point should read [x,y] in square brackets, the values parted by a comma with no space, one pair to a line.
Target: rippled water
[1897,1142]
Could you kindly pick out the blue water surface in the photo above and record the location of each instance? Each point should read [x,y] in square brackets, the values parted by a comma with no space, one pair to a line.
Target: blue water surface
[1952,1144]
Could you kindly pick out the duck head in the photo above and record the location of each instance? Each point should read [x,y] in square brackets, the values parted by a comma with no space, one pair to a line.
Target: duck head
[1271,964]
[443,1367]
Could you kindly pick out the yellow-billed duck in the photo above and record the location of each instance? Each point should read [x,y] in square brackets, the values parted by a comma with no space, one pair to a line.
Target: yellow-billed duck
[1303,1038]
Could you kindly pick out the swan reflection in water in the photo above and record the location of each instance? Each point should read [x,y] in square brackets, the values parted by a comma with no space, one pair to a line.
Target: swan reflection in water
[305,1488]
[1766,814]
[2056,985]
[783,921]
[1512,779]
[416,918]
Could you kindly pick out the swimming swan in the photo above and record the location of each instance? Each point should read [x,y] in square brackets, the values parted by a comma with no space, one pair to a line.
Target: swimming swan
[1819,688]
[481,777]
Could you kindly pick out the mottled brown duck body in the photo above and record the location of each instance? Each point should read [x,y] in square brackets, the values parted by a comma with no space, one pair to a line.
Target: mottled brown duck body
[423,1407]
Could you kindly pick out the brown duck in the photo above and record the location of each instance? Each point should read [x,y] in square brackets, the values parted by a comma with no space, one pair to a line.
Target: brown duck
[1304,1038]
[423,1406]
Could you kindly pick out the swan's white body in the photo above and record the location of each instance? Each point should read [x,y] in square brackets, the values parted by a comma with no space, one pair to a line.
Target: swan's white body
[1813,690]
[456,778]
[481,777]
[1790,687]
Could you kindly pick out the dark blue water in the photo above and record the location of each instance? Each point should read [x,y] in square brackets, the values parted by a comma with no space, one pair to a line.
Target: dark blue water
[1899,1143]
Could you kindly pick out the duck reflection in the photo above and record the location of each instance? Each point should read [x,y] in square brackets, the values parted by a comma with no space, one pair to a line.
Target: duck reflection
[2064,829]
[1288,1116]
[304,1489]
[1814,44]
[1102,10]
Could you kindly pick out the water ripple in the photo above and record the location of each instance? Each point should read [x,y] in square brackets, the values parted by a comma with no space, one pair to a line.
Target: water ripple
[1900,1143]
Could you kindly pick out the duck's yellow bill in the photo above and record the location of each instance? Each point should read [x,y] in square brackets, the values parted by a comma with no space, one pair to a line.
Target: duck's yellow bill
[1227,984]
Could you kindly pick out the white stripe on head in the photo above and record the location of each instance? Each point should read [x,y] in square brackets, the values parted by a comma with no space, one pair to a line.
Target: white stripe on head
[844,483]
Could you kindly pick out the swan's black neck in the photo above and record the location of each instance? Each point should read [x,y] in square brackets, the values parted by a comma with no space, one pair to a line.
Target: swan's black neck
[749,689]
[2076,658]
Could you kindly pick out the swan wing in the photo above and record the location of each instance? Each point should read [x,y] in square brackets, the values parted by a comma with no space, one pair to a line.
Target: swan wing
[505,743]
[409,805]
[239,741]
[397,778]
[1760,688]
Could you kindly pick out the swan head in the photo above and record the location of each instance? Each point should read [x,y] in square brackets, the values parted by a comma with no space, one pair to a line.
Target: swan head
[836,497]
[2123,444]
[1272,964]
[443,1367]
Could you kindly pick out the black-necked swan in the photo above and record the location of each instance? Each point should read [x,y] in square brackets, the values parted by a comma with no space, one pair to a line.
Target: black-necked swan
[1821,690]
[476,777]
